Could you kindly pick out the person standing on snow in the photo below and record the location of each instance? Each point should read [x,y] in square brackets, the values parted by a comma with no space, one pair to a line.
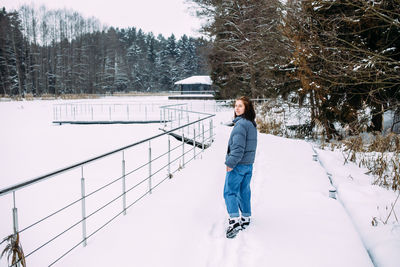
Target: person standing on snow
[239,166]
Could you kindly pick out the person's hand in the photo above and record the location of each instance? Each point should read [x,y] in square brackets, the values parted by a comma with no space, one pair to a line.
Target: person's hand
[228,169]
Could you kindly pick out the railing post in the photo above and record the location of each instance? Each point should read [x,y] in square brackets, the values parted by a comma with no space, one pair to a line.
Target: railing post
[202,135]
[179,118]
[15,226]
[211,130]
[123,184]
[149,167]
[187,122]
[164,116]
[170,120]
[183,150]
[83,209]
[109,111]
[127,111]
[145,113]
[187,115]
[92,111]
[194,143]
[15,215]
[169,157]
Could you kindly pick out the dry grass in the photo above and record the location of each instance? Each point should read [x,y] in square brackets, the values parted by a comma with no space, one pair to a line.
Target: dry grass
[279,118]
[270,126]
[14,250]
[385,143]
[31,97]
[78,96]
[380,154]
[266,120]
[388,213]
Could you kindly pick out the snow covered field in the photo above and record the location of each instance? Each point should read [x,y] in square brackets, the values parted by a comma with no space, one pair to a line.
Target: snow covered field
[182,223]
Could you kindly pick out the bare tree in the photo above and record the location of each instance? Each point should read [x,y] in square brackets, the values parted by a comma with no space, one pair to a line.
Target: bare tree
[346,57]
[247,45]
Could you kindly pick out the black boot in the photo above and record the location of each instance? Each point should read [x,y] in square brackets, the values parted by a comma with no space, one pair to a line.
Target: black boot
[244,222]
[233,228]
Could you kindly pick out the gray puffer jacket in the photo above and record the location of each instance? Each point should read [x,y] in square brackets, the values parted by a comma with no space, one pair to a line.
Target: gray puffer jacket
[242,143]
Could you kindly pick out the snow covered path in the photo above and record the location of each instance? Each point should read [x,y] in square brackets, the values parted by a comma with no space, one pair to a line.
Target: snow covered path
[183,222]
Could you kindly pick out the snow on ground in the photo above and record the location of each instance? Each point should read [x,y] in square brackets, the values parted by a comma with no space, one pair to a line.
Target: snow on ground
[182,222]
[31,145]
[364,202]
[295,222]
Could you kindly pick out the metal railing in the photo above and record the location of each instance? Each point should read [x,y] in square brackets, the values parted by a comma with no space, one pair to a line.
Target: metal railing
[121,112]
[201,92]
[89,111]
[160,166]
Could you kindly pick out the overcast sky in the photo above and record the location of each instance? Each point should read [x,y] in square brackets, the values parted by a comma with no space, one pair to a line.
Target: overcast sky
[157,16]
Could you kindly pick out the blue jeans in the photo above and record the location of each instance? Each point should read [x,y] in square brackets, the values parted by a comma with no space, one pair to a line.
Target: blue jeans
[237,190]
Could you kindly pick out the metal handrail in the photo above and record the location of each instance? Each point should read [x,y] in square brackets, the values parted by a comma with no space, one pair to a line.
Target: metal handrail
[82,221]
[193,92]
[18,186]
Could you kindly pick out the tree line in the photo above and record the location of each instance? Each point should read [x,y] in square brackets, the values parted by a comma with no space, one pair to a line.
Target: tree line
[339,57]
[60,52]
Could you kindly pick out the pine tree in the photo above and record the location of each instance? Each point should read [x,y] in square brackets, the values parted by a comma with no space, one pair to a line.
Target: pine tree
[15,55]
[59,52]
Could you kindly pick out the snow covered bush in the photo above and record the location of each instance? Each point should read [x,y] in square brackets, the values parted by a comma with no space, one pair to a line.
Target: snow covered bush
[281,118]
[378,153]
[270,126]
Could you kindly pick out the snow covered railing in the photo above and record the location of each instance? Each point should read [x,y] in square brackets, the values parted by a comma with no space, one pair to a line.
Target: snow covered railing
[122,112]
[332,189]
[175,115]
[193,92]
[140,167]
[106,112]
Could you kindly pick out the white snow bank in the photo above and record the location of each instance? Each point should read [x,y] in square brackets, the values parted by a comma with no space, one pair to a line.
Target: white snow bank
[364,202]
[182,223]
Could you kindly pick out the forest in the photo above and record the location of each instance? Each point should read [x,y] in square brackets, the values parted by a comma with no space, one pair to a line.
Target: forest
[339,58]
[60,52]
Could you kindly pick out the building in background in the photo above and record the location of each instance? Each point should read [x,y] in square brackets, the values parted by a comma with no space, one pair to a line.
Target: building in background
[195,85]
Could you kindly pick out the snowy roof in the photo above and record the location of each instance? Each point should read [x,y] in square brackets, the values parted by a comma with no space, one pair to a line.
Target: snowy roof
[196,80]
